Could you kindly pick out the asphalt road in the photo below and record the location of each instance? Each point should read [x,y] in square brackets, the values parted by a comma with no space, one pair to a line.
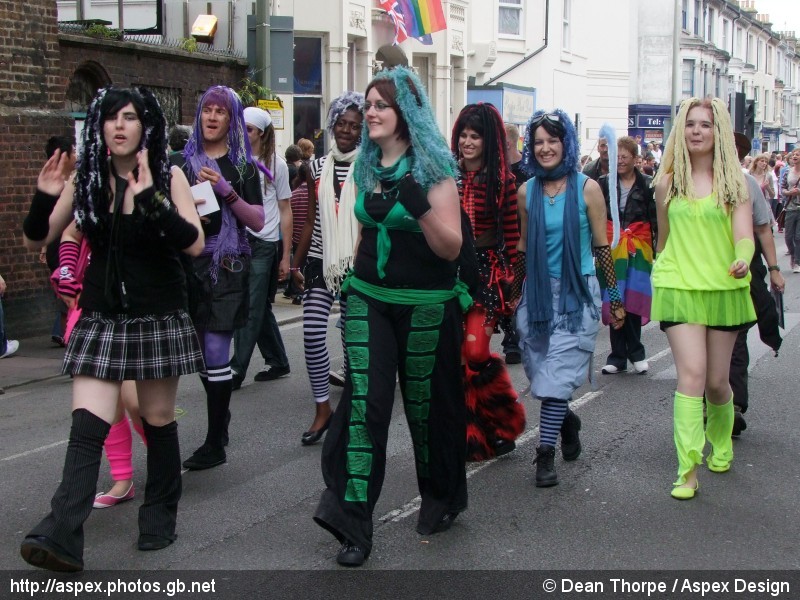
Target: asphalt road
[611,510]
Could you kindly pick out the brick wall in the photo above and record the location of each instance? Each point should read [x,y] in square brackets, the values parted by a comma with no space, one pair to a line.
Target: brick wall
[31,81]
[36,63]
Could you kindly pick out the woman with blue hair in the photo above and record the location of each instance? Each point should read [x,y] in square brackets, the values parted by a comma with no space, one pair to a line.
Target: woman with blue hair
[562,223]
[404,316]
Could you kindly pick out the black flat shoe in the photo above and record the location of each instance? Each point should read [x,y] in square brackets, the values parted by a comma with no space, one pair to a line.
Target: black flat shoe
[445,523]
[39,551]
[205,457]
[351,555]
[149,542]
[312,437]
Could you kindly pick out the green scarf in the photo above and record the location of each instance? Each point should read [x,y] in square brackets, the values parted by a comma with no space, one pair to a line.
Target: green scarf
[397,217]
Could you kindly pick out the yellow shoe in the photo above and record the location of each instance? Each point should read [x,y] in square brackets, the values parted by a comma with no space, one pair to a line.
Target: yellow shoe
[685,493]
[718,467]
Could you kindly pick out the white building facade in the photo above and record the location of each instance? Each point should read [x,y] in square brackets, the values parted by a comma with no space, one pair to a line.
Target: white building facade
[606,61]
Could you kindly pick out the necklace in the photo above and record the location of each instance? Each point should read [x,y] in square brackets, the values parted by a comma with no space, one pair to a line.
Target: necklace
[552,198]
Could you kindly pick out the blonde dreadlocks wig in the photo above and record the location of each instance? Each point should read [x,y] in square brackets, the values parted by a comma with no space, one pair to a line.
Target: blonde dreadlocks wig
[729,184]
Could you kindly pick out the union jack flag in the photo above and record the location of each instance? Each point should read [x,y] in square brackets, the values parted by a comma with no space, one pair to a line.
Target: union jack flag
[396,15]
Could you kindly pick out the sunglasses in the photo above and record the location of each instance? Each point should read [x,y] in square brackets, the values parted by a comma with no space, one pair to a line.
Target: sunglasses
[552,118]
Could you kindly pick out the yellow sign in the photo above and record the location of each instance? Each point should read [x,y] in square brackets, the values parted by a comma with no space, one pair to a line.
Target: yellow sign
[275,108]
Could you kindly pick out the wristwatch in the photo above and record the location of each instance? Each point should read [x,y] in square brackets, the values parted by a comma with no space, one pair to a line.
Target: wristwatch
[773,268]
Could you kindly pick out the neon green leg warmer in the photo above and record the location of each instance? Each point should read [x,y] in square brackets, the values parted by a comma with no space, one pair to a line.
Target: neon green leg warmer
[718,431]
[688,432]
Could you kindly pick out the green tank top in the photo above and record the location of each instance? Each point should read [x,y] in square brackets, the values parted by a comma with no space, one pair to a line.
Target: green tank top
[699,250]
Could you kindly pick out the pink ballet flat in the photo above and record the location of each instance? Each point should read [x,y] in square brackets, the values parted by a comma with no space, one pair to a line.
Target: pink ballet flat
[107,500]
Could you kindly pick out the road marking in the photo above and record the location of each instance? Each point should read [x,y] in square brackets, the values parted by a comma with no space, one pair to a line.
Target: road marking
[34,451]
[409,508]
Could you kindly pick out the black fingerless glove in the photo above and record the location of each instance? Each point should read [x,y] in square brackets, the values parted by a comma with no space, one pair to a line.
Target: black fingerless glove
[605,262]
[412,196]
[156,208]
[36,225]
[519,269]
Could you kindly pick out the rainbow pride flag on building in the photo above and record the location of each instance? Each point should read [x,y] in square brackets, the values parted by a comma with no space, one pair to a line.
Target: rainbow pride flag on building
[423,16]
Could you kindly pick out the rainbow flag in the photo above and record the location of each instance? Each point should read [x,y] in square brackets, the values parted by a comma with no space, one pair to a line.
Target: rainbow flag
[422,17]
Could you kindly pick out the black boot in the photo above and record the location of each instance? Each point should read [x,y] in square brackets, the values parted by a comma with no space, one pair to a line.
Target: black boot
[212,452]
[158,513]
[56,543]
[545,469]
[570,439]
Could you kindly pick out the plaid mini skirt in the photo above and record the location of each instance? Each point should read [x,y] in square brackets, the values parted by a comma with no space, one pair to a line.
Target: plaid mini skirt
[119,347]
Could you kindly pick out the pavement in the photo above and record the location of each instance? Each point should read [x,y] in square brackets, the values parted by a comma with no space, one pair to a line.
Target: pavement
[39,359]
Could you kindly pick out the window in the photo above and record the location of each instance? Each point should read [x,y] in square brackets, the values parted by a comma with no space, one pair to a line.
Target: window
[718,84]
[724,42]
[685,14]
[751,48]
[565,37]
[510,17]
[738,52]
[711,25]
[769,60]
[697,14]
[687,79]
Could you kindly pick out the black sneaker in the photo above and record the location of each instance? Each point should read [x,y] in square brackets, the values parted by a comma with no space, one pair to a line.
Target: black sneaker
[205,457]
[236,381]
[513,358]
[570,440]
[351,555]
[546,475]
[739,424]
[272,374]
[337,378]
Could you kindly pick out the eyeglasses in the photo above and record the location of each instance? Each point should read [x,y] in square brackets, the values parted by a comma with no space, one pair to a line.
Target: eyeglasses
[552,118]
[378,106]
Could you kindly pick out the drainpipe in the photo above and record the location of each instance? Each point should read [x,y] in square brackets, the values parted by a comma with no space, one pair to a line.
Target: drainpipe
[532,54]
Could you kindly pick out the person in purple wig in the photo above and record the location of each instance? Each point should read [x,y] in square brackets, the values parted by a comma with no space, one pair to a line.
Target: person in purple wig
[218,151]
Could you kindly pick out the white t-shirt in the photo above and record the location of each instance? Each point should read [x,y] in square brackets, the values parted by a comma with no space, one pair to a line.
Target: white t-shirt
[274,192]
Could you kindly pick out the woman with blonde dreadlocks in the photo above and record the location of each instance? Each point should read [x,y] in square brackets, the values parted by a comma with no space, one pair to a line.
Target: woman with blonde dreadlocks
[404,316]
[702,295]
[489,198]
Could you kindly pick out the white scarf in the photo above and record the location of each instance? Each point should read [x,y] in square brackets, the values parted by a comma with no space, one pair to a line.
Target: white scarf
[339,226]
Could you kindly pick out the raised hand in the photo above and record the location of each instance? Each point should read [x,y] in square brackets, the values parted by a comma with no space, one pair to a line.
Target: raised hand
[51,177]
[145,178]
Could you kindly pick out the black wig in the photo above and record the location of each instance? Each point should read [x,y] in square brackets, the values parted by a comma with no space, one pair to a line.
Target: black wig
[92,180]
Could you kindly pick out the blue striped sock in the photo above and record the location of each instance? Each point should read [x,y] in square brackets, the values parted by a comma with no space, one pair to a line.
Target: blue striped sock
[551,416]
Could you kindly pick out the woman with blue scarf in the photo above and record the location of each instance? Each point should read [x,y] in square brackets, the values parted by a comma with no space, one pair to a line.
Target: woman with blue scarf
[562,220]
[404,316]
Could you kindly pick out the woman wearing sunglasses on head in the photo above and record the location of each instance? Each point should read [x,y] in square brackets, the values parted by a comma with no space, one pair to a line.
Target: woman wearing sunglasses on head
[701,290]
[488,195]
[562,222]
[404,315]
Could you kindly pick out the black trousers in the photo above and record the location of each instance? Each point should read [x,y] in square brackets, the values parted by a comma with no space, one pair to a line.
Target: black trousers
[423,343]
[626,342]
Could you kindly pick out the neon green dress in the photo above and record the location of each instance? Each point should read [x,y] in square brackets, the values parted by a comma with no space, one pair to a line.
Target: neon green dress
[690,277]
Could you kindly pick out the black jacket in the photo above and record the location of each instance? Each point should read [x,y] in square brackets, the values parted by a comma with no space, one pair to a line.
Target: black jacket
[640,206]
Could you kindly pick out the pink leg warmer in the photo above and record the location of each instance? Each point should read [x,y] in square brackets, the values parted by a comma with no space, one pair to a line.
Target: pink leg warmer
[118,450]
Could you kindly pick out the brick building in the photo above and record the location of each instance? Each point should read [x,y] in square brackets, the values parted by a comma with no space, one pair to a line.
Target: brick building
[47,77]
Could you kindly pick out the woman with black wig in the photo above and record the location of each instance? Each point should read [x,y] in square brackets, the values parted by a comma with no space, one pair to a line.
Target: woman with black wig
[562,221]
[137,215]
[488,195]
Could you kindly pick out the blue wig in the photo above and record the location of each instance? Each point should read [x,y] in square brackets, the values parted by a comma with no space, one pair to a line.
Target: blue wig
[607,132]
[433,161]
[348,100]
[565,131]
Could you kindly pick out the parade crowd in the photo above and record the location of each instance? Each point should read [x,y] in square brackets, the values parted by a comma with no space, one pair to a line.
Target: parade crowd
[167,251]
